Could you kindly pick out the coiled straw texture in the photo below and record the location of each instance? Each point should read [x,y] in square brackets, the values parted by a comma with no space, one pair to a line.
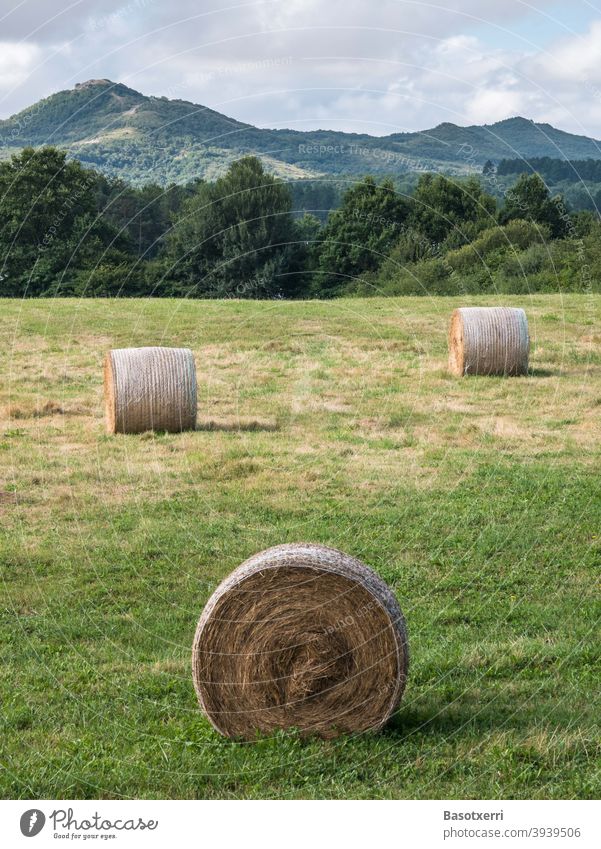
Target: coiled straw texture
[300,636]
[150,389]
[488,340]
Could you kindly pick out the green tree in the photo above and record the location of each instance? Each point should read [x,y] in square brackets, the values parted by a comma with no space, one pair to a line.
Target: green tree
[49,226]
[359,234]
[144,215]
[235,237]
[530,199]
[444,208]
[305,253]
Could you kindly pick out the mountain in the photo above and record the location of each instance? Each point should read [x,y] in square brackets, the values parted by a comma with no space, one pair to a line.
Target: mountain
[140,139]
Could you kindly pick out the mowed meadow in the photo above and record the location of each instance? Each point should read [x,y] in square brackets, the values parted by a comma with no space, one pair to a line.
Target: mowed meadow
[478,500]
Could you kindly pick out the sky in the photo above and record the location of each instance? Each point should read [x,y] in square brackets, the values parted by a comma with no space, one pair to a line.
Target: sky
[375,66]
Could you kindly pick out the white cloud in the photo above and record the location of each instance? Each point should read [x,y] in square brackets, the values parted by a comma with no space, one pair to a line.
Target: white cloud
[389,66]
[48,21]
[489,105]
[16,61]
[575,58]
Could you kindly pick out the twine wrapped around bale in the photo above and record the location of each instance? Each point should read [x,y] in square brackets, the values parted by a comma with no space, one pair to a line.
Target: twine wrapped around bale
[488,340]
[150,389]
[300,636]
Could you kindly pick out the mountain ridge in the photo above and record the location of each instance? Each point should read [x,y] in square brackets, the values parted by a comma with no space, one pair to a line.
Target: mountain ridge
[143,138]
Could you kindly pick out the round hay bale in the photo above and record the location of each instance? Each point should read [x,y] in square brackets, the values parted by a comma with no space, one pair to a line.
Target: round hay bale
[150,389]
[300,636]
[488,340]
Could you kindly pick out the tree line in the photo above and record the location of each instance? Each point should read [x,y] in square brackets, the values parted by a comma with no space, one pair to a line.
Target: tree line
[553,170]
[69,230]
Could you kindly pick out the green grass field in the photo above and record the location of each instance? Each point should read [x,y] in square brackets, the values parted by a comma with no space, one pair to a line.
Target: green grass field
[478,500]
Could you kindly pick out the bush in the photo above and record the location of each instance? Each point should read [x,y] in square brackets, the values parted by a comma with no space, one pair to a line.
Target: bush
[534,259]
[125,279]
[492,245]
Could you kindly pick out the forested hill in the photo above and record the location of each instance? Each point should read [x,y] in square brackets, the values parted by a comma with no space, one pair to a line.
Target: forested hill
[140,139]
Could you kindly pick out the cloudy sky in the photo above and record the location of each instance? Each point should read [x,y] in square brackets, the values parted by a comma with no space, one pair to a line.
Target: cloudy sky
[376,66]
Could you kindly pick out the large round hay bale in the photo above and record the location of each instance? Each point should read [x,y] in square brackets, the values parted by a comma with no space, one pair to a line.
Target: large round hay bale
[300,636]
[150,389]
[488,340]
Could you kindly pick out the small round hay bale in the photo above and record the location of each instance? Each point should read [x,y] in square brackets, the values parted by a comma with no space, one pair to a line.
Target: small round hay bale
[300,636]
[150,389]
[488,340]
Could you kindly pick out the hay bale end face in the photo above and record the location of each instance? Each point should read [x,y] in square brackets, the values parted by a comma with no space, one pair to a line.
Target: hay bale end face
[488,341]
[150,389]
[300,636]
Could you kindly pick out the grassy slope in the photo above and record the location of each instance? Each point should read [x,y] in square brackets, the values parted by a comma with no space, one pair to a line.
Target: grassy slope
[478,500]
